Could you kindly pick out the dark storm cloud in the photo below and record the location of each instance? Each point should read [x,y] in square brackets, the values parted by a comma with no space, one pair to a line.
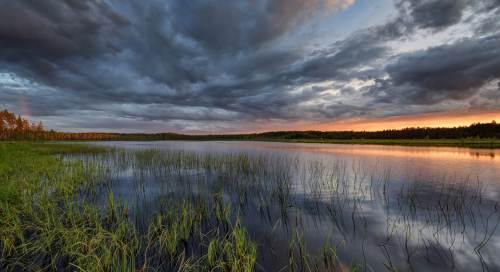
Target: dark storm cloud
[262,97]
[232,60]
[53,42]
[356,51]
[56,29]
[66,45]
[437,15]
[434,14]
[231,26]
[454,71]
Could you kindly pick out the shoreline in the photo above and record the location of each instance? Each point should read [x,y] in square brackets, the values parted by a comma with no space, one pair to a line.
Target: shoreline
[471,143]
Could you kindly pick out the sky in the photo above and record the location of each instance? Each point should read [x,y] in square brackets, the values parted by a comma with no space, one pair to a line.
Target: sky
[244,66]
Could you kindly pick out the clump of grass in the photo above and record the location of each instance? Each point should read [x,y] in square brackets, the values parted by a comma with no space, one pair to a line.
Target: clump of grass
[232,252]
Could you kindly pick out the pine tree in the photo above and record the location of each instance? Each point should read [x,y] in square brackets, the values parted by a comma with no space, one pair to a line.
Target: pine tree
[19,123]
[2,122]
[39,127]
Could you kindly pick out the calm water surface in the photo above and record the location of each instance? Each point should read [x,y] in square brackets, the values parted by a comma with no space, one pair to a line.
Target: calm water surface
[402,160]
[412,208]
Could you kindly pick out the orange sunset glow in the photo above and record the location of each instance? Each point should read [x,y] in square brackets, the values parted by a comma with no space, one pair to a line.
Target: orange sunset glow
[399,122]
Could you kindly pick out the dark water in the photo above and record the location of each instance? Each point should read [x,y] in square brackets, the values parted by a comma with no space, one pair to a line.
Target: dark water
[411,208]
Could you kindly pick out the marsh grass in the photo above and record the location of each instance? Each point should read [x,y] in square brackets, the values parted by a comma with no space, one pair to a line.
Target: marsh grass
[93,208]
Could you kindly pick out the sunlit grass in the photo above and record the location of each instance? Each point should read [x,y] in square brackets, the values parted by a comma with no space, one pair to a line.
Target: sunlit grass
[62,207]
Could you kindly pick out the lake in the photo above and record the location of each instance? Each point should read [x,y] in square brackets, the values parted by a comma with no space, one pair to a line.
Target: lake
[380,208]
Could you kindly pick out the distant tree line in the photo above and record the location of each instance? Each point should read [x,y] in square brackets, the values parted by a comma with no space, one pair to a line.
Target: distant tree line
[475,130]
[16,128]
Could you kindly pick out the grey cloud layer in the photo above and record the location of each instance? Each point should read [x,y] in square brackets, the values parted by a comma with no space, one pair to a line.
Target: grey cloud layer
[455,71]
[232,61]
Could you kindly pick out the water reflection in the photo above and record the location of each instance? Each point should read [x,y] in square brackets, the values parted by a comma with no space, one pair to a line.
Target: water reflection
[403,161]
[404,208]
[483,154]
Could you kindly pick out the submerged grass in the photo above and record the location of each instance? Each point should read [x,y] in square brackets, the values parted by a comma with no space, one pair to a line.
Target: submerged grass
[94,208]
[54,213]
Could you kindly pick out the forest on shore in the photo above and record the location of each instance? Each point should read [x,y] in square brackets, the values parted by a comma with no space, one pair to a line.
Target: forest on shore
[17,128]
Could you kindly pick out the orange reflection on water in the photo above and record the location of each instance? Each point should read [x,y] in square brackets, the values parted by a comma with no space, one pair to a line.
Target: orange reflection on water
[426,164]
[443,153]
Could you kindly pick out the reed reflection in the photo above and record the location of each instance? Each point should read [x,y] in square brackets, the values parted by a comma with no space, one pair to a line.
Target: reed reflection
[175,208]
[318,215]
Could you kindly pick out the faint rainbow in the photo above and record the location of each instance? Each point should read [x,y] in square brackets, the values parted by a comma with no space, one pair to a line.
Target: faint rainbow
[26,107]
